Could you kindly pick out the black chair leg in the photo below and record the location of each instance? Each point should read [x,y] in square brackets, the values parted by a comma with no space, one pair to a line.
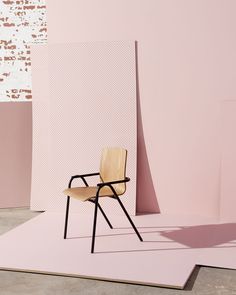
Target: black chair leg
[66,217]
[94,224]
[104,215]
[130,220]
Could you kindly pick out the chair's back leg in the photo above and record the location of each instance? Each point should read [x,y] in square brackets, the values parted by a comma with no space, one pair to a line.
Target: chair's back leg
[94,223]
[104,215]
[130,220]
[66,217]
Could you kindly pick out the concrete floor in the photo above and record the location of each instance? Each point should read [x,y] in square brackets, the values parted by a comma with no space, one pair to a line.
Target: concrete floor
[204,281]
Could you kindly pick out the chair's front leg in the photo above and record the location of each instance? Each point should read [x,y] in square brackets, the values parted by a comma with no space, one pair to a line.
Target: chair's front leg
[66,217]
[95,222]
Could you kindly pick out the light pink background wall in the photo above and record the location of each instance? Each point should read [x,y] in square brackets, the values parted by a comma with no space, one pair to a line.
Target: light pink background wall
[15,154]
[187,61]
[228,162]
[186,56]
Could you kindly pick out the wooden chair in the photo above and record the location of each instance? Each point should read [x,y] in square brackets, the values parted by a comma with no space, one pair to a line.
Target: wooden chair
[112,184]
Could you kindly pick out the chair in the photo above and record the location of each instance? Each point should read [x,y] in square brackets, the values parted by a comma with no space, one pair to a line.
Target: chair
[112,184]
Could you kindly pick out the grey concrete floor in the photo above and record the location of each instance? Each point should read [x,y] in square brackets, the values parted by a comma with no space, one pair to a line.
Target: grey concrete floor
[204,281]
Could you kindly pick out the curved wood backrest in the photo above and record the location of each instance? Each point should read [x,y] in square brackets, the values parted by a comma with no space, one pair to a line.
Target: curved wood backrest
[113,167]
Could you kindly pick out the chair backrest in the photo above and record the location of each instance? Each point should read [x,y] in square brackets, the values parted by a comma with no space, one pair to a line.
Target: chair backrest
[113,167]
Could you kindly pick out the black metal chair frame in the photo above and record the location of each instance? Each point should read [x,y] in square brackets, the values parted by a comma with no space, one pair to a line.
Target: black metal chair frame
[97,205]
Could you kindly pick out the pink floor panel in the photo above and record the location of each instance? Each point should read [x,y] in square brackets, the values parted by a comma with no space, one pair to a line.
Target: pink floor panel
[172,247]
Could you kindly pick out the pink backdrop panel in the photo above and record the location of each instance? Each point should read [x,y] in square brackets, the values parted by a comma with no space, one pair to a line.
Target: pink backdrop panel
[40,159]
[187,57]
[91,104]
[15,153]
[228,164]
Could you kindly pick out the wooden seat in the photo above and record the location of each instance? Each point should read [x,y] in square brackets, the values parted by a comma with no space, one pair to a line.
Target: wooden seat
[86,193]
[112,184]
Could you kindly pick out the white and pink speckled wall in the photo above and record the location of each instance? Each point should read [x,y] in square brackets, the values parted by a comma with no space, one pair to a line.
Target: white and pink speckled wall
[22,23]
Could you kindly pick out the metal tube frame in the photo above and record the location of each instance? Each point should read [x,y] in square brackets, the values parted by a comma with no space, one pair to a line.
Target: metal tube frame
[97,205]
[93,201]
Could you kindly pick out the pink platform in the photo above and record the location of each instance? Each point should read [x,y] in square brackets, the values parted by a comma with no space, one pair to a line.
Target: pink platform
[172,246]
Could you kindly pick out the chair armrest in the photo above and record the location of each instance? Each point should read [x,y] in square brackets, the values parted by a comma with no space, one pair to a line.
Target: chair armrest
[110,184]
[82,176]
[113,182]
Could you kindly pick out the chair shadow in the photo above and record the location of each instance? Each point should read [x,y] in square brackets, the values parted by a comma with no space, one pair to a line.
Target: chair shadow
[155,250]
[141,227]
[115,234]
[190,237]
[203,236]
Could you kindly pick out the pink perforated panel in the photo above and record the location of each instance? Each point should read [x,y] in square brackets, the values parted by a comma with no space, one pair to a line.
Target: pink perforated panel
[40,157]
[92,104]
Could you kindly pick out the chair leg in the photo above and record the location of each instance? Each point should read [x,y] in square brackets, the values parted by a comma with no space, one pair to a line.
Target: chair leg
[130,220]
[66,217]
[104,215]
[94,224]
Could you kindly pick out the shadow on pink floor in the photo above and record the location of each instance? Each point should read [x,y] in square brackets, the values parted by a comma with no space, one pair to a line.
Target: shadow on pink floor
[172,247]
[203,236]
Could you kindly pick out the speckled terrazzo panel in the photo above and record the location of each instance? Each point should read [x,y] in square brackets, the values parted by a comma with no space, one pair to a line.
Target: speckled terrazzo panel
[22,23]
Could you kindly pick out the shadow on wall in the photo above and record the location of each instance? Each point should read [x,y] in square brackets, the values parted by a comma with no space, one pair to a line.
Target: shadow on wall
[146,201]
[204,236]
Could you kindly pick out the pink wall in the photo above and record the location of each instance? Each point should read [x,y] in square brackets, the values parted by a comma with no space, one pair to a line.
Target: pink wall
[15,154]
[228,162]
[187,61]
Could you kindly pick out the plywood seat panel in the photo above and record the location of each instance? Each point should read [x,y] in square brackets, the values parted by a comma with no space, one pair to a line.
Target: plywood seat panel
[86,193]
